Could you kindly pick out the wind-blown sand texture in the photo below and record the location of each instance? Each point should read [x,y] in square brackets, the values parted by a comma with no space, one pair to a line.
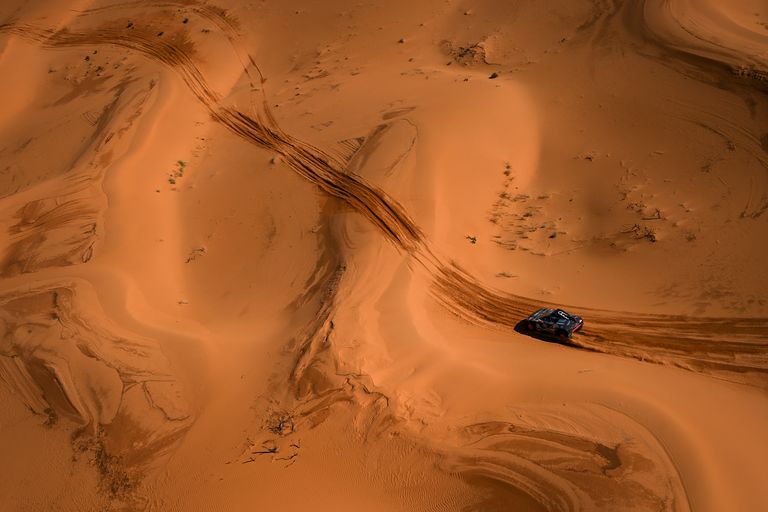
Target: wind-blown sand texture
[275,255]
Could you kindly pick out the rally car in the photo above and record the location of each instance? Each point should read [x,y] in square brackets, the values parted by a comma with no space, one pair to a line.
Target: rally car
[554,321]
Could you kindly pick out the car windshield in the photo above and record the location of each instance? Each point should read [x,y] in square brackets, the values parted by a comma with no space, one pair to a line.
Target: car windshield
[556,316]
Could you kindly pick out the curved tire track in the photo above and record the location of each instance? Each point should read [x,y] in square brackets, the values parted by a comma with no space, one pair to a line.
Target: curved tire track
[732,348]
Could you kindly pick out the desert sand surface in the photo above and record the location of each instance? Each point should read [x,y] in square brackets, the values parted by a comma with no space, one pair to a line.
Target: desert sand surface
[275,255]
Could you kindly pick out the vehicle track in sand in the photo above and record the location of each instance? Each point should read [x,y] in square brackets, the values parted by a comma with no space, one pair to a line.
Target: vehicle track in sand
[735,349]
[508,453]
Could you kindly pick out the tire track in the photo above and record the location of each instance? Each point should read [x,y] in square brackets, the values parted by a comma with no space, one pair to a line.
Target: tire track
[731,348]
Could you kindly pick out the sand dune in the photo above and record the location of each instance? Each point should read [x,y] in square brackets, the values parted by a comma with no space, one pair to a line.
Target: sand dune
[277,255]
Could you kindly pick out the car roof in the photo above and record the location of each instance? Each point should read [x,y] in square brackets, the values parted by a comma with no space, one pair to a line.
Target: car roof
[559,312]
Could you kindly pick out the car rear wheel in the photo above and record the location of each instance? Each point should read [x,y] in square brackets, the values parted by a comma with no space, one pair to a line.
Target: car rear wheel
[563,335]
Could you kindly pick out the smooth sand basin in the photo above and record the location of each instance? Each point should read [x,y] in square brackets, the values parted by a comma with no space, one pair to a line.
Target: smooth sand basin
[275,255]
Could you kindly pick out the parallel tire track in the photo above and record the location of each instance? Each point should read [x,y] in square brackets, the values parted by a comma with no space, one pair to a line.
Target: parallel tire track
[732,348]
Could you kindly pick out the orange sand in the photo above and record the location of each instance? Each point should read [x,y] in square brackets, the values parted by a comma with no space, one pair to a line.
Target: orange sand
[264,255]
